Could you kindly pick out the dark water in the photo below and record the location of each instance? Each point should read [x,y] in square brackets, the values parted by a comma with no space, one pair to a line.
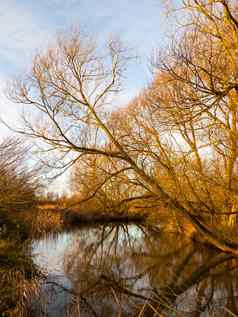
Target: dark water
[130,270]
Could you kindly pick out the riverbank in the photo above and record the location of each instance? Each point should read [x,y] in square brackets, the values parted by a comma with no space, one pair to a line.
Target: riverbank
[19,274]
[76,217]
[53,218]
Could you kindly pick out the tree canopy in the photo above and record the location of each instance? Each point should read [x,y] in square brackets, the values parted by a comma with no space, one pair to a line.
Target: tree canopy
[175,143]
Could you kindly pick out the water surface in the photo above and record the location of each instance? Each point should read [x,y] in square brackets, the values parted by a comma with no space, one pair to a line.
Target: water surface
[131,270]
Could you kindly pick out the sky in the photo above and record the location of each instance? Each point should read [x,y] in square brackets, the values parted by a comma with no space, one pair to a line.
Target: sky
[28,26]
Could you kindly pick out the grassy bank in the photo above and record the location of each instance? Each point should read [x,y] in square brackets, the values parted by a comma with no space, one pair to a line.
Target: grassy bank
[18,273]
[71,217]
[46,219]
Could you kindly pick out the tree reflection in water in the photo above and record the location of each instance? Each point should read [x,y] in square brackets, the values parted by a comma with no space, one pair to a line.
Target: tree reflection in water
[137,271]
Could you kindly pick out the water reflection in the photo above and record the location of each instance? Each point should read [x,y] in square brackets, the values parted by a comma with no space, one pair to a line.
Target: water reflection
[134,271]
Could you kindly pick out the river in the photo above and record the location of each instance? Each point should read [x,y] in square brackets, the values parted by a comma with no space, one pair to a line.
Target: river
[132,270]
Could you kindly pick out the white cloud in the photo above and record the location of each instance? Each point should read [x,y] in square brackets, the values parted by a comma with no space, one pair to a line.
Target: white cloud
[9,112]
[21,33]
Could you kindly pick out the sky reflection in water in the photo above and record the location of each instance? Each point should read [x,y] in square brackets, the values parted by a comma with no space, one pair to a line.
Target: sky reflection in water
[133,271]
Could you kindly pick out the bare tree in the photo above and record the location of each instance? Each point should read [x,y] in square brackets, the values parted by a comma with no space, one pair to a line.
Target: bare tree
[161,138]
[18,183]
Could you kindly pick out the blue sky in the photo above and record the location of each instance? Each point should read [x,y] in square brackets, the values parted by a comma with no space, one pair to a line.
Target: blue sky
[27,26]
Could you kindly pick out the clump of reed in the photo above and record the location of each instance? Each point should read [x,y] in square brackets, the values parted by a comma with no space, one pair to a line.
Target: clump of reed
[46,220]
[19,276]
